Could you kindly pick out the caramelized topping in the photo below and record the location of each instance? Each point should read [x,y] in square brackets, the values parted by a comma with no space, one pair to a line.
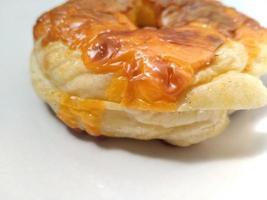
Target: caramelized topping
[211,13]
[157,64]
[152,67]
[75,111]
[76,23]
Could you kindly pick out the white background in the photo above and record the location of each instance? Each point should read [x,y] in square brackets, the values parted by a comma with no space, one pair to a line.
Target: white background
[42,160]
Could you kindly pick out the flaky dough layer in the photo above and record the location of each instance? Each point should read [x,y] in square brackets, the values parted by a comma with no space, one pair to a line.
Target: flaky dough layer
[202,114]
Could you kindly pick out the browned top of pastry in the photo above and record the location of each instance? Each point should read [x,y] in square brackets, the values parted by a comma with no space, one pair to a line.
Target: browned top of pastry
[153,47]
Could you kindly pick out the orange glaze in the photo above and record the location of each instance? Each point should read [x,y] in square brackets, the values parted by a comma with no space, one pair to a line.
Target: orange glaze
[75,111]
[152,67]
[157,65]
[224,19]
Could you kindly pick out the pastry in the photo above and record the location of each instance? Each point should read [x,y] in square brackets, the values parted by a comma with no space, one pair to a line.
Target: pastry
[149,69]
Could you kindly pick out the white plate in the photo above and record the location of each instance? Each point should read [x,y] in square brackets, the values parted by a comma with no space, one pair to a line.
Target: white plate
[41,159]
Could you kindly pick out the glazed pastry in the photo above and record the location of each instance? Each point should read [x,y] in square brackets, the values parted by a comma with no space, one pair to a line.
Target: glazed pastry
[149,69]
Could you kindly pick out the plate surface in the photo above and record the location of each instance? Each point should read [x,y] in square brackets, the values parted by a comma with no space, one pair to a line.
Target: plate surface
[41,159]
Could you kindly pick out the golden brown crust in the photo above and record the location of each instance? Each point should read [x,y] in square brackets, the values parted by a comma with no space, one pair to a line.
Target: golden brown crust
[94,61]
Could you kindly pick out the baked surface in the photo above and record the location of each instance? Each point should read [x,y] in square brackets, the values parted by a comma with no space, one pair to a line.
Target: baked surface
[149,69]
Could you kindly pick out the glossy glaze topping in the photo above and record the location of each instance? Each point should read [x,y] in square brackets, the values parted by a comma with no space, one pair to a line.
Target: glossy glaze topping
[158,65]
[77,112]
[211,13]
[152,66]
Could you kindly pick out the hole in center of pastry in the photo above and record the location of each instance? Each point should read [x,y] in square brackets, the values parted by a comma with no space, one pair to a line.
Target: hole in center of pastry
[143,15]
